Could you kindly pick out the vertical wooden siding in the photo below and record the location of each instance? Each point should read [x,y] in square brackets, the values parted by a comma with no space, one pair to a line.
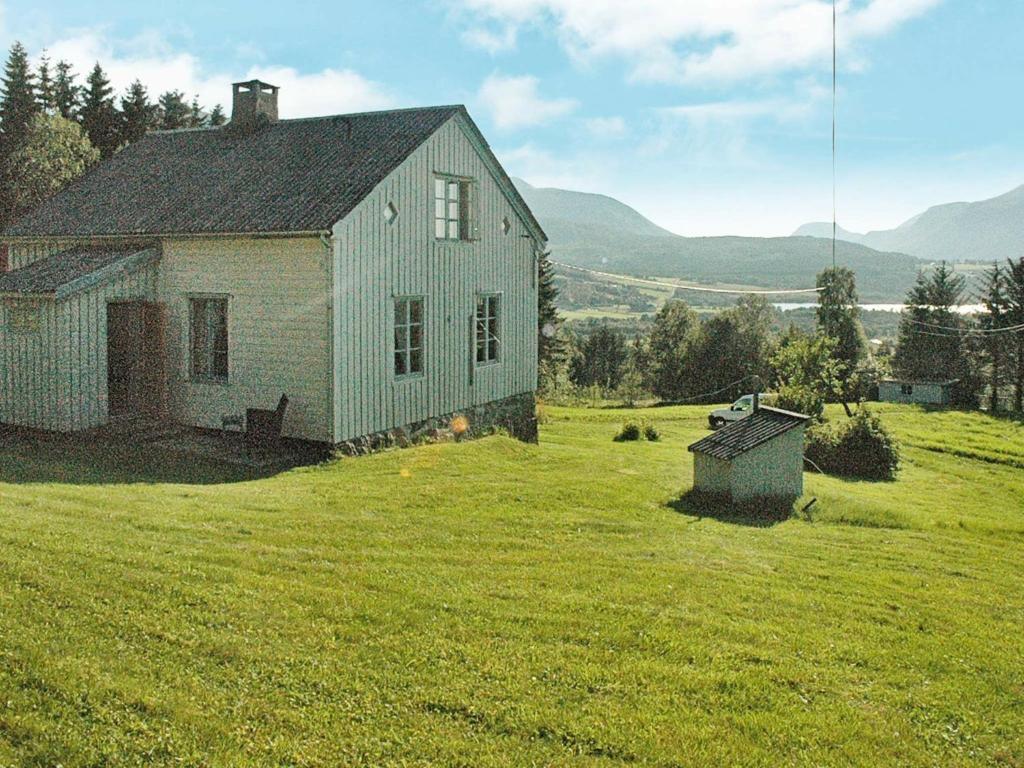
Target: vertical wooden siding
[55,377]
[376,261]
[278,329]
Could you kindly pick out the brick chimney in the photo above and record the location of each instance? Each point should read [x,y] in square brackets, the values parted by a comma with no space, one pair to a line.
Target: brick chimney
[253,104]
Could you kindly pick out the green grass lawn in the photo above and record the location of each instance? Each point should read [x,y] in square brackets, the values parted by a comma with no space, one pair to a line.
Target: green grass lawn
[493,603]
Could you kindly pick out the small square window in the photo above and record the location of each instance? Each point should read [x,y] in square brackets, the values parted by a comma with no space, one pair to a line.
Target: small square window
[390,213]
[506,226]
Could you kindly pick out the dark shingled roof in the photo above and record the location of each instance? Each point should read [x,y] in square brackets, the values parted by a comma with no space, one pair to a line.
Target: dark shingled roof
[63,273]
[741,436]
[290,176]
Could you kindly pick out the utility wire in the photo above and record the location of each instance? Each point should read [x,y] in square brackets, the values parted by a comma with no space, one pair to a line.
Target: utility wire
[730,385]
[686,287]
[835,89]
[955,329]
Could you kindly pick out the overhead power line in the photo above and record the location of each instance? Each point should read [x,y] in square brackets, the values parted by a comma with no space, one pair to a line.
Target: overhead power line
[662,284]
[835,78]
[956,329]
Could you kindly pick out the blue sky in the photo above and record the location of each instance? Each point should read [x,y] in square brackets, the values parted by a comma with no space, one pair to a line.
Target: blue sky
[708,116]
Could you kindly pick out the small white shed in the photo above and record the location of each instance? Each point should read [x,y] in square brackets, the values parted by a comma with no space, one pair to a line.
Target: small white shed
[758,457]
[922,392]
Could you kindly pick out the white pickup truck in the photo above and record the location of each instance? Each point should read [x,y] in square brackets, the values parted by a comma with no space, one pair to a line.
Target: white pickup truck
[742,408]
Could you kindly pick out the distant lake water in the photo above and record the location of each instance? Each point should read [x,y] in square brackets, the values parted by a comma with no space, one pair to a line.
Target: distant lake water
[963,309]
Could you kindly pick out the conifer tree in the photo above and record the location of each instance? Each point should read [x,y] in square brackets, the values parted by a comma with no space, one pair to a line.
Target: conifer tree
[17,101]
[996,303]
[137,113]
[197,116]
[66,93]
[99,115]
[17,108]
[174,112]
[1015,317]
[932,345]
[44,89]
[217,116]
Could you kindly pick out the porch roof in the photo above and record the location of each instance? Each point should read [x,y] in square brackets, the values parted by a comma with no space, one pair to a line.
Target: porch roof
[63,274]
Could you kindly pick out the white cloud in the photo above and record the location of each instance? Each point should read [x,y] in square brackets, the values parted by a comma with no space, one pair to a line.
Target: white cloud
[152,60]
[606,127]
[701,40]
[489,40]
[514,102]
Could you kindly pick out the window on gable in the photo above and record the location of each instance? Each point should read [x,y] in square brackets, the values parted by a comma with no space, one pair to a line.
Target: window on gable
[453,205]
[487,328]
[390,213]
[208,323]
[408,336]
[506,225]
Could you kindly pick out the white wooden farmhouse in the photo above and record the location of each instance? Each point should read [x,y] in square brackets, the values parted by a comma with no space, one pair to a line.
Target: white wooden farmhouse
[378,268]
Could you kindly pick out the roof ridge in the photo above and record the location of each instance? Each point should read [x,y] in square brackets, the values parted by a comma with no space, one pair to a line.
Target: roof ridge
[397,110]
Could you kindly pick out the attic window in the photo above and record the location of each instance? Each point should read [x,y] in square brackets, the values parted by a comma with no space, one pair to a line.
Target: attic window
[506,225]
[453,208]
[390,212]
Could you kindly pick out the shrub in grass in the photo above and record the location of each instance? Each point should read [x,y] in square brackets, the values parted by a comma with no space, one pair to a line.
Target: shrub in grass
[860,447]
[651,433]
[630,431]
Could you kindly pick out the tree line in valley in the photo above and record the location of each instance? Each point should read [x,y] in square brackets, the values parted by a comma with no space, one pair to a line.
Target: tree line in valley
[54,126]
[682,358]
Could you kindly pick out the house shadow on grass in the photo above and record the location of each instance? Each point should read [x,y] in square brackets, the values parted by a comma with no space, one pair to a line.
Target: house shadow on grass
[763,514]
[31,457]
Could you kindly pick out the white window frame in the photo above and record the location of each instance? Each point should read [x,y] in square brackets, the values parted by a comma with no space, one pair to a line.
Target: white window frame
[207,374]
[453,214]
[402,337]
[487,349]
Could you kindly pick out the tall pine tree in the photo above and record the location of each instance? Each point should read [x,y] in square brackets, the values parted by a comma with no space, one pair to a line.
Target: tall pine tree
[17,101]
[99,115]
[1015,317]
[196,114]
[17,108]
[994,299]
[138,115]
[66,92]
[174,112]
[548,343]
[932,345]
[44,88]
[217,116]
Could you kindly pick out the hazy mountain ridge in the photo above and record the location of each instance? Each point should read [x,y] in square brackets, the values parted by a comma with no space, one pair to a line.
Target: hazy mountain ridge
[985,230]
[599,232]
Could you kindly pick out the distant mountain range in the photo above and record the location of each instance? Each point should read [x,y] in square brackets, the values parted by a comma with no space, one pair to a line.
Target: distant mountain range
[599,232]
[983,231]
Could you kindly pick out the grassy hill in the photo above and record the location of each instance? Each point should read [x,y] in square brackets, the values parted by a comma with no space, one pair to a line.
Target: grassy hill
[595,231]
[494,604]
[986,230]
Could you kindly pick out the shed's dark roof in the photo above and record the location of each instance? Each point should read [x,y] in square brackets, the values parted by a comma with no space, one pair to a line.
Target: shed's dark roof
[741,436]
[290,176]
[62,273]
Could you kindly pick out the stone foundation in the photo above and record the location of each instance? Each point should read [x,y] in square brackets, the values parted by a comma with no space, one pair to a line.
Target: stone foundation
[517,415]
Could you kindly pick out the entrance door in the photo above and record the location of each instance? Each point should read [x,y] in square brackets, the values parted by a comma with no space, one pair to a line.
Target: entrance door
[124,357]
